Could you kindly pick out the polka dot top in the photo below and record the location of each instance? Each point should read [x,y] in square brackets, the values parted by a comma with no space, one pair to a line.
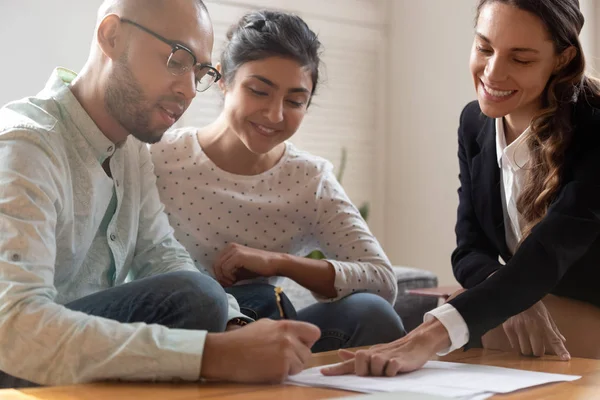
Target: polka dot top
[295,207]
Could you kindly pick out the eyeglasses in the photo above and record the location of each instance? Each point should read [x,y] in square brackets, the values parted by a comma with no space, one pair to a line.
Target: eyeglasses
[183,60]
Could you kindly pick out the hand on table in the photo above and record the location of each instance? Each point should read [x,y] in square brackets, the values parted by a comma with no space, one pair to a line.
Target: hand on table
[534,332]
[265,351]
[403,355]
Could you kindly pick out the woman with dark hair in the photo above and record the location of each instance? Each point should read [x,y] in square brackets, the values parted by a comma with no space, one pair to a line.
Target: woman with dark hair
[248,205]
[529,155]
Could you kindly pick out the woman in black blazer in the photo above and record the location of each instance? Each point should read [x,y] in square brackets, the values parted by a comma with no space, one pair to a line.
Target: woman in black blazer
[529,155]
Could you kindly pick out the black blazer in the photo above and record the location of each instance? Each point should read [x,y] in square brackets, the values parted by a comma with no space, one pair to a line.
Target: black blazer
[562,253]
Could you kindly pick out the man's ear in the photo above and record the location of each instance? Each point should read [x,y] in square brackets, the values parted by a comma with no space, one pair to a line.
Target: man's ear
[221,83]
[111,36]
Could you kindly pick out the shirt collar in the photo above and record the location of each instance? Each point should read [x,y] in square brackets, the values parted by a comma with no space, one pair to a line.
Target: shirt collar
[517,153]
[58,88]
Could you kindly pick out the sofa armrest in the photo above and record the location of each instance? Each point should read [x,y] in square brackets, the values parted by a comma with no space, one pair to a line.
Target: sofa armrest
[411,308]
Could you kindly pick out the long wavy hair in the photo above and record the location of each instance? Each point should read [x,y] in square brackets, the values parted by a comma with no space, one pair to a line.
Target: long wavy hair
[552,127]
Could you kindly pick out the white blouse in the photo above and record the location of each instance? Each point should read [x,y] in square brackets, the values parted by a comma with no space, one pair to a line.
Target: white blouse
[295,207]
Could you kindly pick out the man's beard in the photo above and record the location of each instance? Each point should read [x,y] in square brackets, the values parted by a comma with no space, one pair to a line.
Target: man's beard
[125,101]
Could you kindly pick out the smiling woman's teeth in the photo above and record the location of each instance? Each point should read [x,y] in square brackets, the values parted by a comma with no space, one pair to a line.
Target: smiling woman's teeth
[498,93]
[264,129]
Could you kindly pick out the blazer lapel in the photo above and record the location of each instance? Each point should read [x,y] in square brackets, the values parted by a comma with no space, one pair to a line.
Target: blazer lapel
[485,180]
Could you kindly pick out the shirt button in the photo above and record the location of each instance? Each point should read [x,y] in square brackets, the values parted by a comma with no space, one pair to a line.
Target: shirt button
[110,149]
[117,183]
[113,237]
[16,257]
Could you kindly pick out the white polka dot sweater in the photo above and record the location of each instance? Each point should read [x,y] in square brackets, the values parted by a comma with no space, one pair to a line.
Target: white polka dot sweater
[295,207]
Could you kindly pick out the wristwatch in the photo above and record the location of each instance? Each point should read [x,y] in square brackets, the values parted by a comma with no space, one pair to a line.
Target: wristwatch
[238,321]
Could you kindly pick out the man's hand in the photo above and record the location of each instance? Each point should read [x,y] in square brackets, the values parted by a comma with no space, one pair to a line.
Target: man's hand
[403,355]
[237,262]
[265,351]
[232,327]
[534,332]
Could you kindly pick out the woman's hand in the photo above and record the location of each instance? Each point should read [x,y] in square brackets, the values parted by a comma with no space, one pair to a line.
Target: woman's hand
[534,332]
[237,262]
[403,355]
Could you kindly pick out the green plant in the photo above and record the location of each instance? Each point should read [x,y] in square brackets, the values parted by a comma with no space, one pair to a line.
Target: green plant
[363,209]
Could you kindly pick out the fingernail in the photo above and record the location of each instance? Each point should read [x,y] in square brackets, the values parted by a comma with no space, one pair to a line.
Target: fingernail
[565,357]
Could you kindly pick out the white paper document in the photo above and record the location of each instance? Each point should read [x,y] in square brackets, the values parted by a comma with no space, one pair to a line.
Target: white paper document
[408,396]
[453,380]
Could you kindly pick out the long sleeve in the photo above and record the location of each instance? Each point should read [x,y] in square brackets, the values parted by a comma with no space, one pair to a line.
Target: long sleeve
[475,257]
[457,328]
[41,340]
[565,241]
[343,235]
[157,251]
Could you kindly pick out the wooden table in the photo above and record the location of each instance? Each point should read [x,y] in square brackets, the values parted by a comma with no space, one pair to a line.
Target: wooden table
[587,387]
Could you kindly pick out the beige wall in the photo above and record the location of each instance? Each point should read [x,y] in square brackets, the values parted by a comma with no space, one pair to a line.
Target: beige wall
[429,83]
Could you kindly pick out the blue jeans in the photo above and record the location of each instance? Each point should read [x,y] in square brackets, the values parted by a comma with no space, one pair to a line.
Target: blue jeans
[182,300]
[360,319]
[258,300]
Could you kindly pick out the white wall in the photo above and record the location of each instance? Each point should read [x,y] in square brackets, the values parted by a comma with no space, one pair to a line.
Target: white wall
[429,79]
[38,35]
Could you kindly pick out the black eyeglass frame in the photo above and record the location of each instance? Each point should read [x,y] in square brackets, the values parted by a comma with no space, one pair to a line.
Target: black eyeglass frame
[175,47]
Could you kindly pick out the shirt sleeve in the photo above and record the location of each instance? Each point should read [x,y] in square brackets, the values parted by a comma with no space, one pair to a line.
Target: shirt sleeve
[157,251]
[454,323]
[40,340]
[343,235]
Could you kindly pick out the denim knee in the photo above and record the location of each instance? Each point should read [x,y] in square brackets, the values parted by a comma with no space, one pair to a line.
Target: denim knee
[378,315]
[199,299]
